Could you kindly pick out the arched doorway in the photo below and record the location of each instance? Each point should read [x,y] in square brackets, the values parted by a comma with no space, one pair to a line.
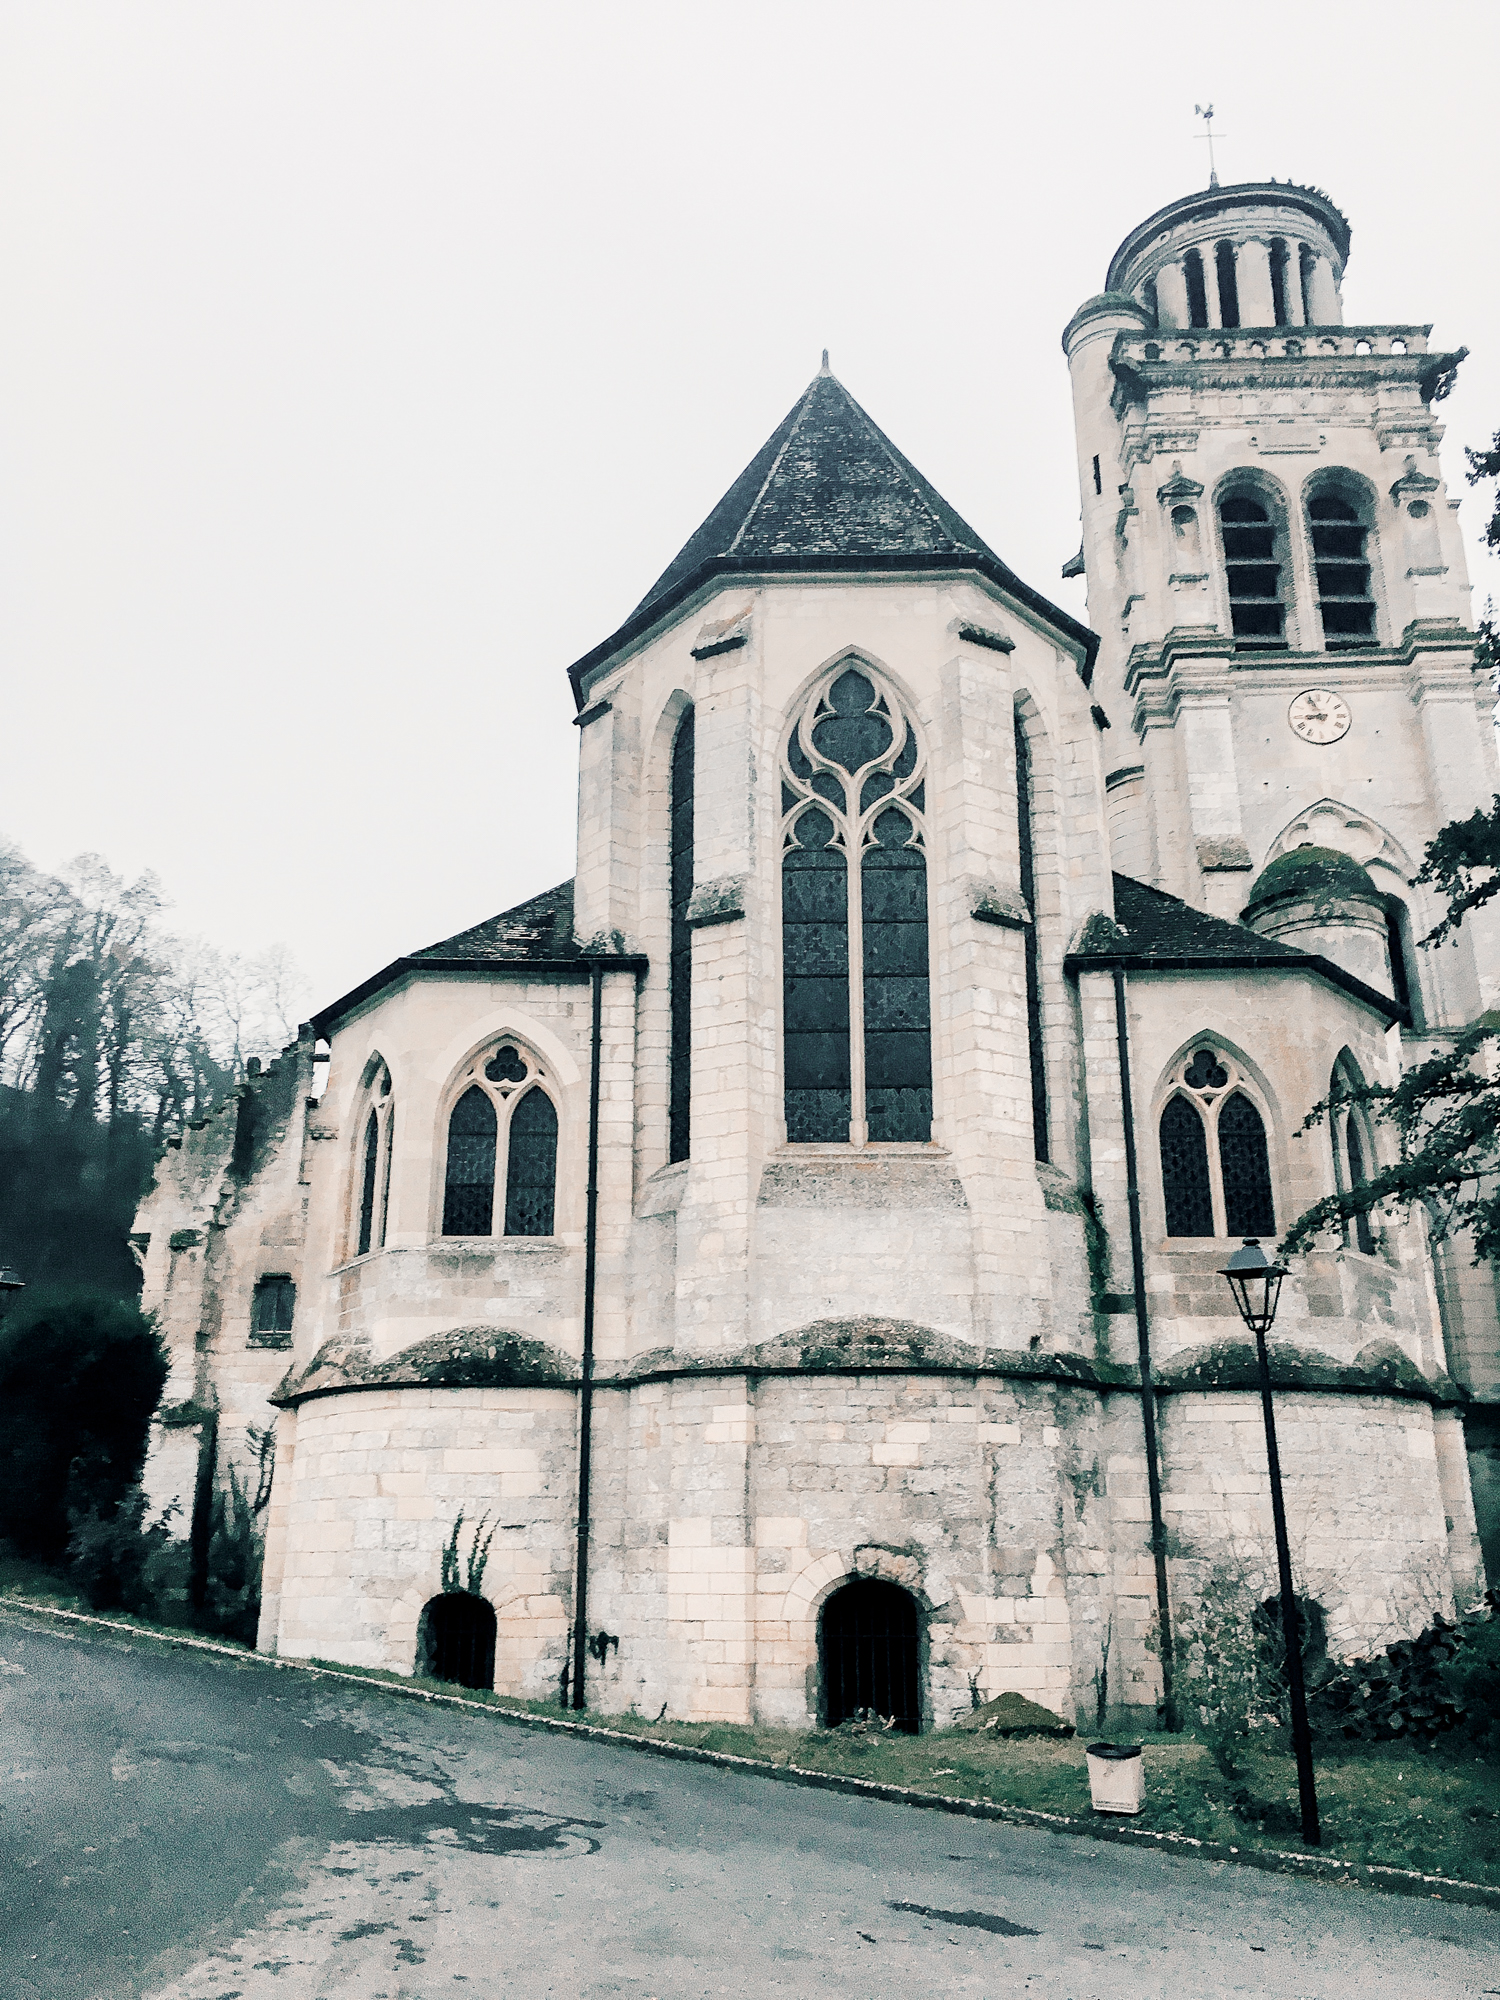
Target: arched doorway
[870,1651]
[456,1640]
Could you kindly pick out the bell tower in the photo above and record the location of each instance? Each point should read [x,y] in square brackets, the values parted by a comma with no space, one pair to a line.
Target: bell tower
[1275,568]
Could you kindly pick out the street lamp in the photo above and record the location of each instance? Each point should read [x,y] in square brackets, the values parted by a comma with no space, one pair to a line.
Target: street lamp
[1256,1284]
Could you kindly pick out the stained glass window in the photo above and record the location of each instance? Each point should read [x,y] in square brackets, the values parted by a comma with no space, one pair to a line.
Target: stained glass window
[531,1166]
[1246,1169]
[1025,835]
[385,1178]
[469,1189]
[1364,1235]
[367,1183]
[1184,1171]
[856,992]
[680,954]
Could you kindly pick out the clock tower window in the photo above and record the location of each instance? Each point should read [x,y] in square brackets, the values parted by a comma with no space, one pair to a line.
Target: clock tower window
[1254,569]
[1341,558]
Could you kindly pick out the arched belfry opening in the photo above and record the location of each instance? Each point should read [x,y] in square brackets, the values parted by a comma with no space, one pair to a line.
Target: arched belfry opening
[870,1655]
[456,1640]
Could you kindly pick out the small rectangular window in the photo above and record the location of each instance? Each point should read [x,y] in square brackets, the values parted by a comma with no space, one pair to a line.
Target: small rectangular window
[1098,482]
[271,1311]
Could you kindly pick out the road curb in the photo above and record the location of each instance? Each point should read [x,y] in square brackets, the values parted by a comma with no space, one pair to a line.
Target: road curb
[1310,1867]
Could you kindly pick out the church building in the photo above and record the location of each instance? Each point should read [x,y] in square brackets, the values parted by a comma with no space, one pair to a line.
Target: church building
[776,1273]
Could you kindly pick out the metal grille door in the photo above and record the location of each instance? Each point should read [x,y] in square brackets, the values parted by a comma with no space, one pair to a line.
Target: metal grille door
[871,1653]
[458,1640]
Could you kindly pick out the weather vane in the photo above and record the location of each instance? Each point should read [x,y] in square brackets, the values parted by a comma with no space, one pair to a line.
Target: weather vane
[1206,113]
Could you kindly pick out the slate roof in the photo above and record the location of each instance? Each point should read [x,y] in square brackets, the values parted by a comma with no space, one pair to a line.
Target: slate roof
[538,932]
[827,491]
[542,927]
[1153,931]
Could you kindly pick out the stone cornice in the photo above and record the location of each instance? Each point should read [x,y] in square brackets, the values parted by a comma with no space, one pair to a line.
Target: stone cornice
[1449,645]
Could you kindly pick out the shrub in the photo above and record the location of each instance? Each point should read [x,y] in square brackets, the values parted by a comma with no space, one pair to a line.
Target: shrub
[80,1375]
[231,1601]
[118,1560]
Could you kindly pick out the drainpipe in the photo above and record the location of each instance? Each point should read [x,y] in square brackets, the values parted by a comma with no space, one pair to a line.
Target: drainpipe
[1143,1345]
[586,1379]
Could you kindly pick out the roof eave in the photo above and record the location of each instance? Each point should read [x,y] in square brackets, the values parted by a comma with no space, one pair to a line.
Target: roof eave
[578,967]
[821,563]
[1249,961]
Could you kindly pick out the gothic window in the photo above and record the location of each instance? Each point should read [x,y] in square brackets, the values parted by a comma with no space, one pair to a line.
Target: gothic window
[1192,271]
[502,1136]
[1252,563]
[372,1183]
[1229,294]
[367,1181]
[1025,830]
[469,1190]
[680,956]
[856,1005]
[1215,1163]
[1342,561]
[271,1311]
[1350,1151]
[531,1166]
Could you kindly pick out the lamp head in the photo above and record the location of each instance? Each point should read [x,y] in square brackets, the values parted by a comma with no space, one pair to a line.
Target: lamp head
[1256,1284]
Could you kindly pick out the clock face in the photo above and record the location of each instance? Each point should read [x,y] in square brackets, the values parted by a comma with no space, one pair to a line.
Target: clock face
[1319,717]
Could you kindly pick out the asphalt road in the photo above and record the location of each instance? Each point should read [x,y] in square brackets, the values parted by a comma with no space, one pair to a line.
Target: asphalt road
[184,1827]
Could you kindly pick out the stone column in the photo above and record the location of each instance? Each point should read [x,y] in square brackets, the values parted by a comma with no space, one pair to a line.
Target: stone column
[1171,296]
[1253,266]
[1324,294]
[1211,283]
[1292,284]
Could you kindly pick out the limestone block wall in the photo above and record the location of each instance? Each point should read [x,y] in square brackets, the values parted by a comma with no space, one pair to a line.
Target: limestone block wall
[1365,1501]
[376,1481]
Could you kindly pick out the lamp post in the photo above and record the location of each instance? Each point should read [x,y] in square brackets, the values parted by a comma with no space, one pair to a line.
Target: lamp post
[1256,1284]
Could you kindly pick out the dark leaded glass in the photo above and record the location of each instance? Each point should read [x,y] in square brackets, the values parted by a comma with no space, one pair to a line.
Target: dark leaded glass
[469,1191]
[1364,1236]
[898,1041]
[506,1065]
[827,786]
[385,1191]
[1205,1071]
[796,756]
[531,1166]
[875,787]
[367,1183]
[906,763]
[855,734]
[1184,1171]
[1246,1170]
[815,984]
[680,957]
[1024,810]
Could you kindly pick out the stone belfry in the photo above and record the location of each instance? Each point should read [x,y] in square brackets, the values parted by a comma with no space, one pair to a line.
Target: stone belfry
[1276,569]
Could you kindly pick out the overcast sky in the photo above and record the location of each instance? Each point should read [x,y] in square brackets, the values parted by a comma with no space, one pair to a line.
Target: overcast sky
[361,365]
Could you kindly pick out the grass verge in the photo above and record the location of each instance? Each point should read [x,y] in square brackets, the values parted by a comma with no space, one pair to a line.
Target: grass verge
[1387,1805]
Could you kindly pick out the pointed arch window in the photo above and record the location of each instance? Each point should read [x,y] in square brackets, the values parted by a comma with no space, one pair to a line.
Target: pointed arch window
[502,1149]
[1025,834]
[1215,1162]
[373,1184]
[857,1016]
[1353,1158]
[680,954]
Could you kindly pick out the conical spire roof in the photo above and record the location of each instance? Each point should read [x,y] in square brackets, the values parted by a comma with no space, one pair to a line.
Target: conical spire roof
[826,491]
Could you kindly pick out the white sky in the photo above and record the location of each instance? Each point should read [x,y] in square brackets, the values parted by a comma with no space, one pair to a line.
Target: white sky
[361,365]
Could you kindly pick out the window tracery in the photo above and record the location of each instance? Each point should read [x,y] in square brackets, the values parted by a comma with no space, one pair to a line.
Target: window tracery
[856,1002]
[1215,1162]
[373,1168]
[502,1135]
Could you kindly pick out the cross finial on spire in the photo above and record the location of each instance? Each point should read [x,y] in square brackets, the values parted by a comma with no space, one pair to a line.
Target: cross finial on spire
[1206,113]
[825,369]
